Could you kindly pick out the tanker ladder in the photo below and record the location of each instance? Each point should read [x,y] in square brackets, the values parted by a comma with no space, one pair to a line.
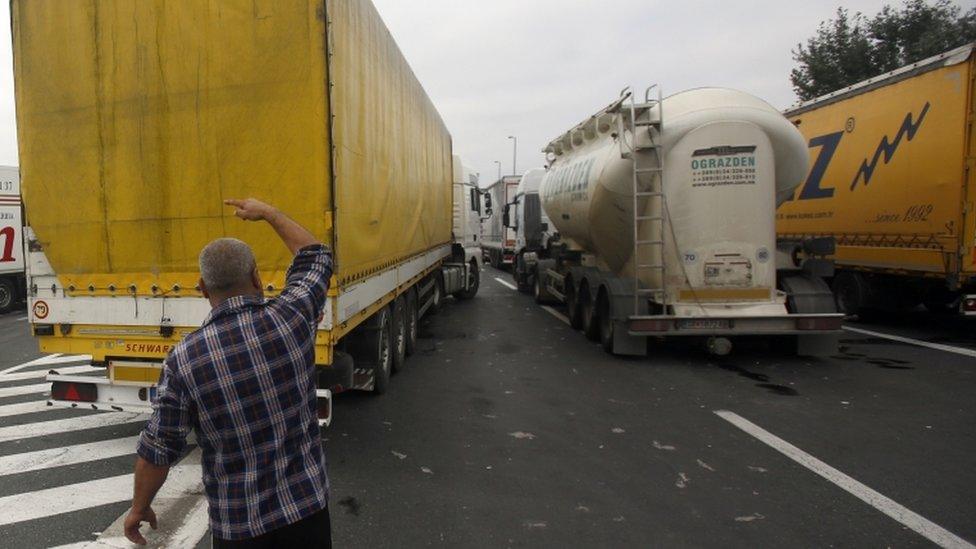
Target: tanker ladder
[645,122]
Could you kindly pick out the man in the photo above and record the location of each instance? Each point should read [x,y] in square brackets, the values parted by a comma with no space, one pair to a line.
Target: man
[246,382]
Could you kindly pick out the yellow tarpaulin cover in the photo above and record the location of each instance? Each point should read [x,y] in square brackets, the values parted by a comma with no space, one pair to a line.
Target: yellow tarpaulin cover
[888,174]
[136,119]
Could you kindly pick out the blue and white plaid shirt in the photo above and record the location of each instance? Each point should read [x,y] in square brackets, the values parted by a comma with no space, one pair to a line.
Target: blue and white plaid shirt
[245,381]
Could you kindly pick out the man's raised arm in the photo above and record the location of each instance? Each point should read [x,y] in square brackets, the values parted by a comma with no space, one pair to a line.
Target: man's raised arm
[294,235]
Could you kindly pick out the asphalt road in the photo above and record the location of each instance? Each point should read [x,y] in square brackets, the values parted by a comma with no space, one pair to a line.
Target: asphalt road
[508,428]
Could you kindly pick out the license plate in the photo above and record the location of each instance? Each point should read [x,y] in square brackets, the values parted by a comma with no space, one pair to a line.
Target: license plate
[704,324]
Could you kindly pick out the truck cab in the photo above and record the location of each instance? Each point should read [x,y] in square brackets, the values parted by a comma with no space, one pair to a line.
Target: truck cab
[12,281]
[498,239]
[471,207]
[528,220]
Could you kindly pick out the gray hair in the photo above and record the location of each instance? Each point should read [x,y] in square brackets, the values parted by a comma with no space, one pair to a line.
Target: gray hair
[226,264]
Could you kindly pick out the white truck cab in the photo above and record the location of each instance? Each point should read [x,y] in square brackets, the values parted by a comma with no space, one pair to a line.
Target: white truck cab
[470,209]
[525,216]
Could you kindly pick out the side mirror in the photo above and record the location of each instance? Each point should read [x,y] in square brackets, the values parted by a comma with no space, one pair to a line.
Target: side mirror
[544,227]
[488,202]
[475,201]
[505,216]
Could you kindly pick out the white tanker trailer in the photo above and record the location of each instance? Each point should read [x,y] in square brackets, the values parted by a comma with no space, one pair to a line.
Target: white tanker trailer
[664,215]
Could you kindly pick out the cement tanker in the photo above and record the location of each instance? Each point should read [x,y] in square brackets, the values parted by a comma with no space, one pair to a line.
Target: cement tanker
[663,218]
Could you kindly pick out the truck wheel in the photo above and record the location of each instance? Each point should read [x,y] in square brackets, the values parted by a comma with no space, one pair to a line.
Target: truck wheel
[573,309]
[410,316]
[539,290]
[437,295]
[474,281]
[940,300]
[399,333]
[850,292]
[605,322]
[371,347]
[591,324]
[521,277]
[8,295]
[384,352]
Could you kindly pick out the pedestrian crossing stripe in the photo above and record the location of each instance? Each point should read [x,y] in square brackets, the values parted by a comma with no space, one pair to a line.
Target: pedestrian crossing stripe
[70,425]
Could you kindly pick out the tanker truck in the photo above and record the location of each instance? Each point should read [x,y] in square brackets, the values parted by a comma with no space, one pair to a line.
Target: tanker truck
[127,152]
[665,214]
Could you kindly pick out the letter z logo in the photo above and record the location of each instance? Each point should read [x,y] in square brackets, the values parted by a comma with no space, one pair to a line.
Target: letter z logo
[828,146]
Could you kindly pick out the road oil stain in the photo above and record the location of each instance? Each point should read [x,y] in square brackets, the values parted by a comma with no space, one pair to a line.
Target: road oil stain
[351,505]
[887,363]
[508,349]
[763,379]
[778,389]
[744,373]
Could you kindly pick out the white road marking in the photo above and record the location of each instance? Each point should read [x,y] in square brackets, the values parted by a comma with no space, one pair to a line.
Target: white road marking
[23,318]
[24,389]
[183,521]
[56,358]
[933,532]
[25,408]
[506,284]
[41,374]
[43,428]
[183,479]
[563,318]
[194,527]
[67,455]
[937,346]
[30,363]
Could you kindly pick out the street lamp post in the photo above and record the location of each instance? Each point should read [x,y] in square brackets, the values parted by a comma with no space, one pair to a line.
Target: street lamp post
[499,169]
[514,154]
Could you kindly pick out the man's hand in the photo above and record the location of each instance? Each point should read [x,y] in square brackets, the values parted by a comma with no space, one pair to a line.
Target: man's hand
[251,209]
[292,234]
[134,520]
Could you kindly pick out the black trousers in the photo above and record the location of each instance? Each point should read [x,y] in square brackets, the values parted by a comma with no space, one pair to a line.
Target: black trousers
[312,531]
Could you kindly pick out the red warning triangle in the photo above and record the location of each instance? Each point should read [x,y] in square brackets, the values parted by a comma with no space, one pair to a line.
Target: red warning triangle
[72,393]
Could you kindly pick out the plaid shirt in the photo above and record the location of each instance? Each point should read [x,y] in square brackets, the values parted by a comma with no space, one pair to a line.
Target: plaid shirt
[245,381]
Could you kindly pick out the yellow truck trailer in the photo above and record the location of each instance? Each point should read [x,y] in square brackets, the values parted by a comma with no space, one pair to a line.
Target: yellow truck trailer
[135,120]
[892,181]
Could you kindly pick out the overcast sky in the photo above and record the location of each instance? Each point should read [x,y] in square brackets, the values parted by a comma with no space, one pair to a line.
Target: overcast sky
[534,68]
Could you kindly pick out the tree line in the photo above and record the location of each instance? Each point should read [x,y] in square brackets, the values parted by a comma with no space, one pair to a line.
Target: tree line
[851,48]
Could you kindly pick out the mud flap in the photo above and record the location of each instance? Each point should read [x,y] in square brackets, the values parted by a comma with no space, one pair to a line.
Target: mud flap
[817,345]
[625,344]
[339,376]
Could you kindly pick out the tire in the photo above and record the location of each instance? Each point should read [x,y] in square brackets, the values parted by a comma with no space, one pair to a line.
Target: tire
[410,316]
[474,282]
[605,322]
[851,292]
[591,324]
[573,309]
[522,281]
[384,352]
[438,294]
[938,307]
[940,300]
[399,333]
[538,292]
[8,294]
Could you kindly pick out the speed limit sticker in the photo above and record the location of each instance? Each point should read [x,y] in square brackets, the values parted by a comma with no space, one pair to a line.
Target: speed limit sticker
[40,310]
